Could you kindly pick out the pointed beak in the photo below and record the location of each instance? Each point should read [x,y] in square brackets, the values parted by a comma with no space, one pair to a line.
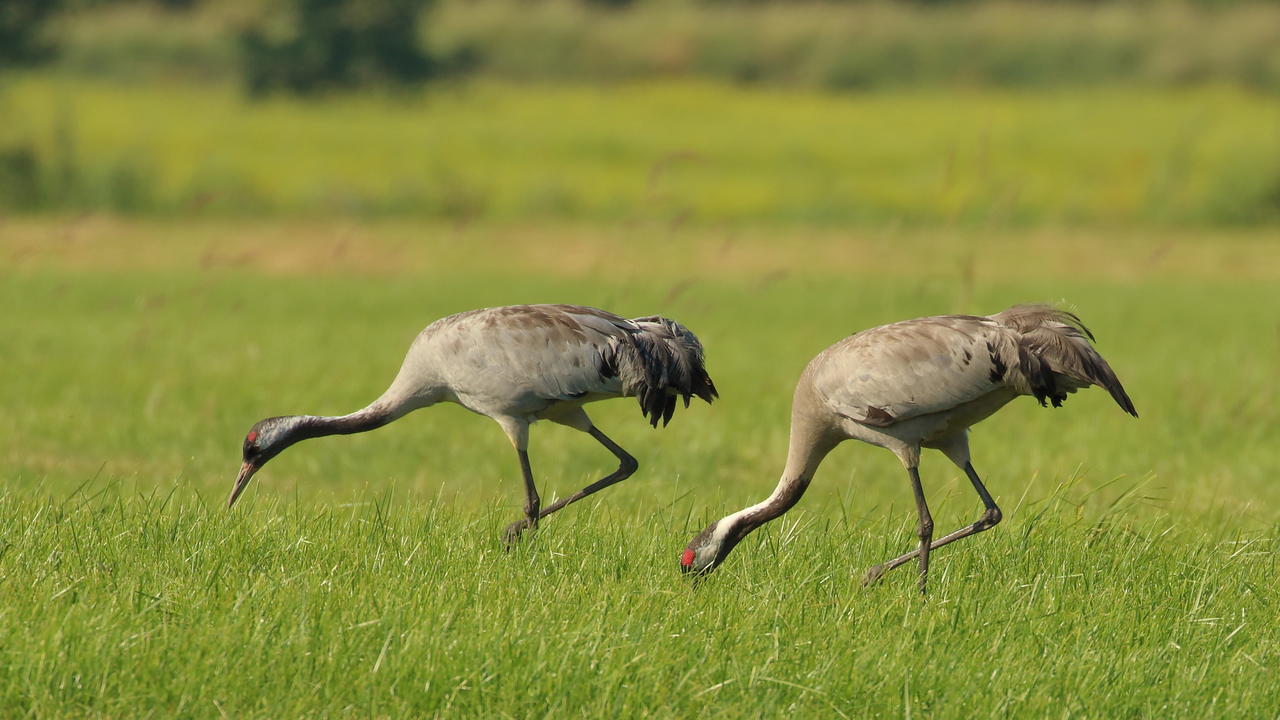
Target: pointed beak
[242,481]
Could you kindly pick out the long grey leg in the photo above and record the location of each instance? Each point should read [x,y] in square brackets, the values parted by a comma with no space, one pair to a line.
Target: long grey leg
[532,503]
[577,419]
[925,528]
[517,431]
[988,520]
[626,466]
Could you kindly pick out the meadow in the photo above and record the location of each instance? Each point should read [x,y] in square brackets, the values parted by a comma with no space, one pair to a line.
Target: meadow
[364,576]
[678,150]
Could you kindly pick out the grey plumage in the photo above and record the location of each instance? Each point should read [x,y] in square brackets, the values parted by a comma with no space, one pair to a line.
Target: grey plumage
[896,372]
[541,360]
[916,384]
[520,364]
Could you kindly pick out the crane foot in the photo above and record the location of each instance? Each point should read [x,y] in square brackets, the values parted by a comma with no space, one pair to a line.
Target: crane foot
[873,575]
[515,530]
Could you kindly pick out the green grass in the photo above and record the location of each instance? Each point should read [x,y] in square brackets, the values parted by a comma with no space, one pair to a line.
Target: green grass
[363,576]
[677,151]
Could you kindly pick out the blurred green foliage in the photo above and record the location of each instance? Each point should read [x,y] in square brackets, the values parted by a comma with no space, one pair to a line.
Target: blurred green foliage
[985,112]
[674,151]
[328,44]
[860,45]
[22,31]
[828,45]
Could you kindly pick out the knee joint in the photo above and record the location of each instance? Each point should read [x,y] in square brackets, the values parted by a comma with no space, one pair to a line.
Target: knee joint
[991,517]
[628,465]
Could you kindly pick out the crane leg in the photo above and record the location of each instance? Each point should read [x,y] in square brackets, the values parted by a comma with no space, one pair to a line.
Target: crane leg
[532,503]
[518,432]
[988,520]
[626,466]
[578,420]
[925,528]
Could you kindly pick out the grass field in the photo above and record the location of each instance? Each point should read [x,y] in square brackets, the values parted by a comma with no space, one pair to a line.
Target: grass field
[678,151]
[362,576]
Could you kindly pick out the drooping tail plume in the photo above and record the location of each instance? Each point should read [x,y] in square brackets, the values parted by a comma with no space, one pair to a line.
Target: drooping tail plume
[1056,355]
[657,364]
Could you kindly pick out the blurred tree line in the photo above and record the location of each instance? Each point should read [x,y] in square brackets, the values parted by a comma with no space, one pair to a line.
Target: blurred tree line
[310,46]
[322,44]
[313,46]
[302,46]
[23,40]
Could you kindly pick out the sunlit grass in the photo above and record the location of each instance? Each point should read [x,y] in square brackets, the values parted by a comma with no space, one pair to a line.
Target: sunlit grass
[363,575]
[135,599]
[683,151]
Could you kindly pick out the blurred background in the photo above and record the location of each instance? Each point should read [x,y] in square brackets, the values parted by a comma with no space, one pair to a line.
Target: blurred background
[732,112]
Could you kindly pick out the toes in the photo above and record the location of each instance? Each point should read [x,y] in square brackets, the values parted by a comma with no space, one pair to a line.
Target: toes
[514,531]
[872,576]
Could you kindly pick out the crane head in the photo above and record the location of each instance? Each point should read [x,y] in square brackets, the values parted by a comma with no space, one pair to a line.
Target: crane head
[265,440]
[706,551]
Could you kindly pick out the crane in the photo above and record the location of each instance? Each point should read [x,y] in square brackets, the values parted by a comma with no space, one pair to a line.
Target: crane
[913,384]
[517,365]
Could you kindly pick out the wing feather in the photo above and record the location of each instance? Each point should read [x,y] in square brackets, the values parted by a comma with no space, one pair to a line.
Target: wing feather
[894,372]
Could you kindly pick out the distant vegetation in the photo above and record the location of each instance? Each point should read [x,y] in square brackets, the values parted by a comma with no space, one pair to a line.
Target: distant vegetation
[973,113]
[336,44]
[831,45]
[22,31]
[674,151]
[858,45]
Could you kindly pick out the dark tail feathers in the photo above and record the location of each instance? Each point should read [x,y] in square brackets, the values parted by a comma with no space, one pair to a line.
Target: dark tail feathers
[657,364]
[1057,357]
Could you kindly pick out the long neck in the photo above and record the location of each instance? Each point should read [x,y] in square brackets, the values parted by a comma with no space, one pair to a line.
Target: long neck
[808,445]
[369,418]
[393,403]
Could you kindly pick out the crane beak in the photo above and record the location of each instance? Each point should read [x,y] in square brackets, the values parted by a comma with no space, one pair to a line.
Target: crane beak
[242,481]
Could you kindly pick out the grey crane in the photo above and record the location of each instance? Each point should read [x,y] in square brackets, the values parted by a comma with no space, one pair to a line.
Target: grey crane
[519,364]
[913,384]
